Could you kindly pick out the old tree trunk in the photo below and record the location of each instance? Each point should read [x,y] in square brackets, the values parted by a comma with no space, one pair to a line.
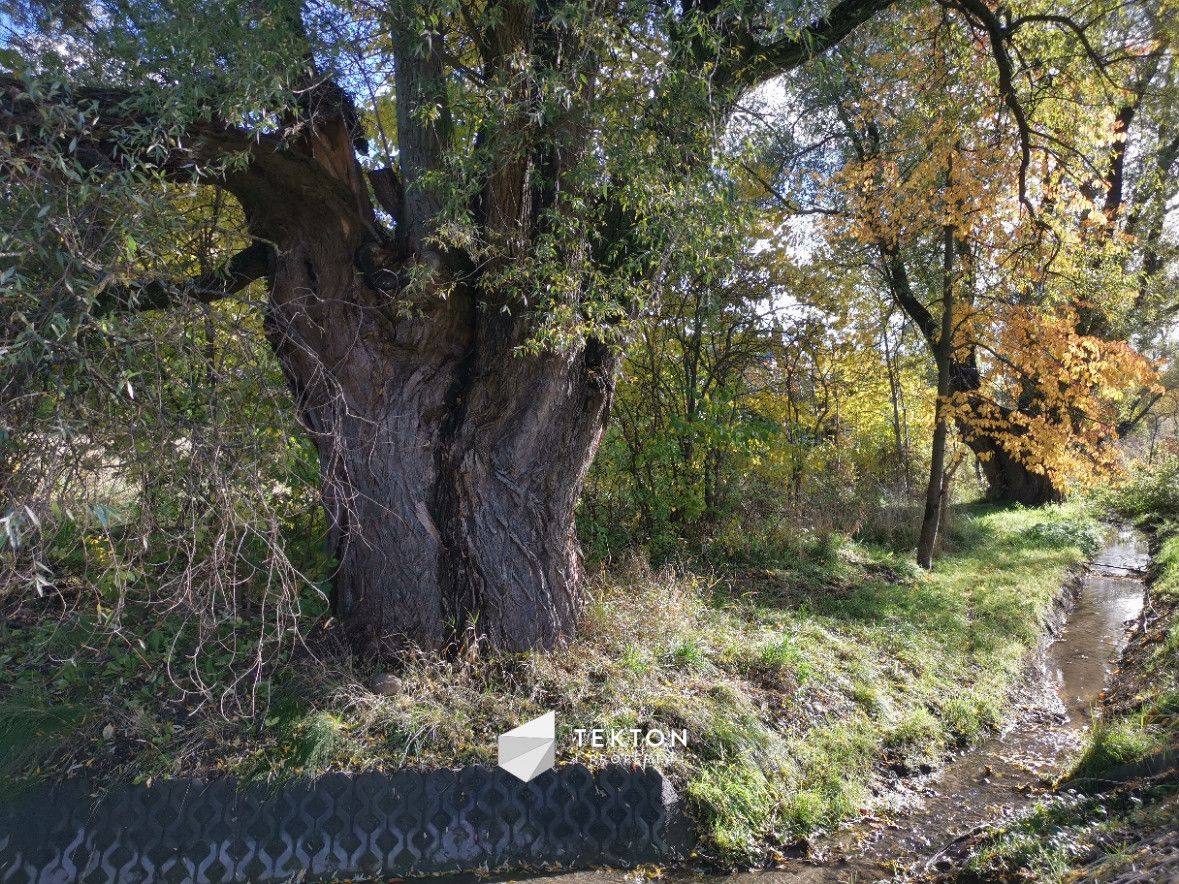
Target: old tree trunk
[451,456]
[451,465]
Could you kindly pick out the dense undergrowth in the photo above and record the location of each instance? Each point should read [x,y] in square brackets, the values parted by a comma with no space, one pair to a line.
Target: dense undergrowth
[1122,787]
[800,674]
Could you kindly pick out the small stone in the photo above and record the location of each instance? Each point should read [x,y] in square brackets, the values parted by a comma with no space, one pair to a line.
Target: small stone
[385,684]
[108,732]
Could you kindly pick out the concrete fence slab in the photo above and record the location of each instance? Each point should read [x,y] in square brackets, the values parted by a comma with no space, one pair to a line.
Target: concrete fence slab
[340,826]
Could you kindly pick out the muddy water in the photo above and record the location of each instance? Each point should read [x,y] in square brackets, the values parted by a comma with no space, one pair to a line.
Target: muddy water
[1079,664]
[916,823]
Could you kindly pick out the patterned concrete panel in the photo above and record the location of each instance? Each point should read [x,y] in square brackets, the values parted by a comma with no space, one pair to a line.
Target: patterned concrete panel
[340,826]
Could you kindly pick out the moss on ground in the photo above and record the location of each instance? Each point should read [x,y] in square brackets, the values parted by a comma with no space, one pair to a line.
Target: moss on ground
[798,676]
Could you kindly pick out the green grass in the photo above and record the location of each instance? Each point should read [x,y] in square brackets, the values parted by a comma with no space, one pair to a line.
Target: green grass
[1116,741]
[1066,831]
[799,674]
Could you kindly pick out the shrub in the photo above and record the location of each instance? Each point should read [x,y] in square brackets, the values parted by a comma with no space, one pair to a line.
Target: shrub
[1081,533]
[1150,495]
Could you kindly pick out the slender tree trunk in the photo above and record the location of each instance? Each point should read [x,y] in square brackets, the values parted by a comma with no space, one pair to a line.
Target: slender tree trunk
[894,389]
[944,497]
[931,519]
[951,470]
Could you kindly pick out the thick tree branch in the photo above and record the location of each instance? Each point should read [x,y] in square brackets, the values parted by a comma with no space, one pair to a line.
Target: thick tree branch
[110,114]
[756,62]
[311,160]
[423,126]
[389,191]
[1146,401]
[251,263]
[897,278]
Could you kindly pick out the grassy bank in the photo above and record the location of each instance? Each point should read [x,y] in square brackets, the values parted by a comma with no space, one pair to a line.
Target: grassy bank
[801,670]
[1122,794]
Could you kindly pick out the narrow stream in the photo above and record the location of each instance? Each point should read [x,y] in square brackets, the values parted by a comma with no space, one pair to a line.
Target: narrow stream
[914,824]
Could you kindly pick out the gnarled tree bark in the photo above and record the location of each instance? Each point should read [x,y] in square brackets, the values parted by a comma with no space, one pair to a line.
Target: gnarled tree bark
[451,464]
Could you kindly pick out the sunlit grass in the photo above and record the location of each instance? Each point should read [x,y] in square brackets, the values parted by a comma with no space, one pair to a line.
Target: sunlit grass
[798,676]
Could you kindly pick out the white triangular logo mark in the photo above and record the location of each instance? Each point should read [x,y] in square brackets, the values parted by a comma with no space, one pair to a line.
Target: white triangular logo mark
[529,750]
